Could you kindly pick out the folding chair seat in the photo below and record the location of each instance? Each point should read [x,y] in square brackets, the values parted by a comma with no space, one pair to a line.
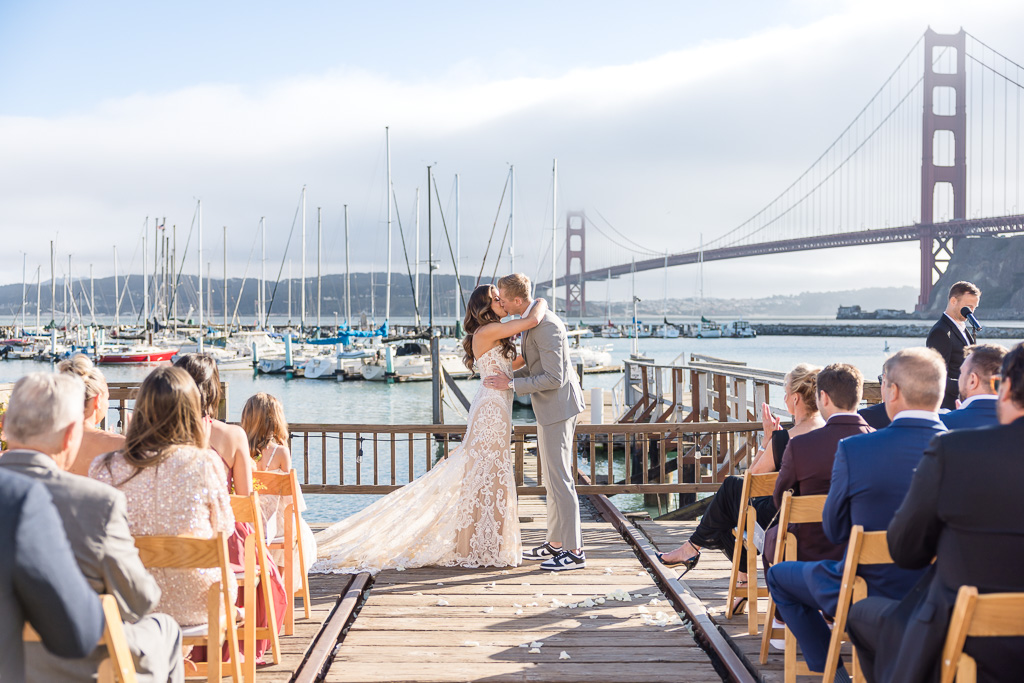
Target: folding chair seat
[991,615]
[754,486]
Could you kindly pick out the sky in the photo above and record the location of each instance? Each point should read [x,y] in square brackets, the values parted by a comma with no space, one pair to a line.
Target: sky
[671,122]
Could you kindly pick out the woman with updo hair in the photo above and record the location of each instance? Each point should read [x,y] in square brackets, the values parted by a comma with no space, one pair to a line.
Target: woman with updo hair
[722,515]
[95,441]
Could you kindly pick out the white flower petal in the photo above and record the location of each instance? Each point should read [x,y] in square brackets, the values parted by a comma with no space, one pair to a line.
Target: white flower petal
[439,583]
[643,610]
[600,601]
[588,603]
[399,569]
[573,605]
[535,651]
[519,611]
[593,616]
[417,594]
[471,643]
[525,645]
[536,643]
[441,602]
[516,604]
[488,610]
[564,655]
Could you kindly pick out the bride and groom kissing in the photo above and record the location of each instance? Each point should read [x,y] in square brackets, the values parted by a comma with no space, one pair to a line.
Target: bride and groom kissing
[464,511]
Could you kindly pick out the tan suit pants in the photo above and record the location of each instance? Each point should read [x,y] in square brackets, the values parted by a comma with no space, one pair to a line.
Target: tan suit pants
[557,458]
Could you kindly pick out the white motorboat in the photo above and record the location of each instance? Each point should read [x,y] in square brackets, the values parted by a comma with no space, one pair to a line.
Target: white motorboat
[410,361]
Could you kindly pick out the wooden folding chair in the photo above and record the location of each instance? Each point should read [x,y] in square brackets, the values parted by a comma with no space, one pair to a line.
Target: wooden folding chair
[185,552]
[795,510]
[247,511]
[287,484]
[118,665]
[865,547]
[754,486]
[978,616]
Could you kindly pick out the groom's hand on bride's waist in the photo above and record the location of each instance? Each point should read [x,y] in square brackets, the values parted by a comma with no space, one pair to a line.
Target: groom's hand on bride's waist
[498,381]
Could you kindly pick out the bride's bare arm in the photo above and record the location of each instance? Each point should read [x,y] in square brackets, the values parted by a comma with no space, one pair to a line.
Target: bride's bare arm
[492,332]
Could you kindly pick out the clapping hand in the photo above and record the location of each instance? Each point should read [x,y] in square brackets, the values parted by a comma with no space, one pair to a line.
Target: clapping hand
[769,422]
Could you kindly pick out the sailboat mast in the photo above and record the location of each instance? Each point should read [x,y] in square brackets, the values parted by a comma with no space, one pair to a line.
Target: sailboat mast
[348,273]
[289,292]
[664,307]
[24,287]
[430,256]
[53,284]
[458,254]
[387,283]
[318,264]
[174,278]
[302,267]
[39,295]
[636,327]
[199,289]
[117,293]
[145,279]
[224,284]
[263,273]
[512,221]
[416,280]
[92,297]
[554,231]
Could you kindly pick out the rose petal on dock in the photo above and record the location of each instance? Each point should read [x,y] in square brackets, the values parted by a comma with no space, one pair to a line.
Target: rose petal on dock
[564,655]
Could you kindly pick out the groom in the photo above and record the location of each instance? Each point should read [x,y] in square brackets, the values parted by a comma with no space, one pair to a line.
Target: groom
[545,374]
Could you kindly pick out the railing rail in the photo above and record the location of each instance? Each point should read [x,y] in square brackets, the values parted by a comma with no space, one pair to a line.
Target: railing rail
[666,458]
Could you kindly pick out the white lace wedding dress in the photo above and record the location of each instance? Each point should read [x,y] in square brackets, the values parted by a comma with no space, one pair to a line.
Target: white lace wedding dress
[463,512]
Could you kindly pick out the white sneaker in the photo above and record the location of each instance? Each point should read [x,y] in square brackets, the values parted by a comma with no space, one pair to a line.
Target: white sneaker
[544,551]
[564,561]
[778,643]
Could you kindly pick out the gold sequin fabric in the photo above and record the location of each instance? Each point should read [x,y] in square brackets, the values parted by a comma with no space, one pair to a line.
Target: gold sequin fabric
[185,495]
[463,512]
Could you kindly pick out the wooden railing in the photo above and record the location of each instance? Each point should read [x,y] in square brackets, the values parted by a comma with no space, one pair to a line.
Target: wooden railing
[705,388]
[620,458]
[122,398]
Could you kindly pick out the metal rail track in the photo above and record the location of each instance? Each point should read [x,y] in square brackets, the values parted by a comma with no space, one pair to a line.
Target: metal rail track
[705,631]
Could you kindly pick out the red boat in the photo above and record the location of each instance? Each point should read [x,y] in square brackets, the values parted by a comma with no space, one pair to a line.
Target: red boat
[138,355]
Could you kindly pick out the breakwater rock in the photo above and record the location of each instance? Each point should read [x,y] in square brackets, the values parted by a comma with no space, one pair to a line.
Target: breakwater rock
[840,330]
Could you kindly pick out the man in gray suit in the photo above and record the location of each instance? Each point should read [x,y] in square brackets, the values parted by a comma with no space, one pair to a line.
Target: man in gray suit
[43,426]
[545,374]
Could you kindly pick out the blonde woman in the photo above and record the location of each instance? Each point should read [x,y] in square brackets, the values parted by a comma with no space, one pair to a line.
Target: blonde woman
[715,528]
[95,441]
[264,423]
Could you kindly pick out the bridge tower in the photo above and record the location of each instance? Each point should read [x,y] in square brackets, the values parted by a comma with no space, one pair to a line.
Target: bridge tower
[575,253]
[935,250]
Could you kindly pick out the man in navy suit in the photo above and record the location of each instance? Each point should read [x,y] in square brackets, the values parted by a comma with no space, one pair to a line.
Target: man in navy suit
[977,394]
[870,477]
[39,580]
[950,335]
[964,510]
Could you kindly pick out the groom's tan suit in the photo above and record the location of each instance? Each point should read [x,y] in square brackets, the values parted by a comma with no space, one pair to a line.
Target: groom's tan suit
[557,398]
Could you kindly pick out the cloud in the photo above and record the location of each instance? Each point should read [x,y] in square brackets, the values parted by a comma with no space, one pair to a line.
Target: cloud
[688,143]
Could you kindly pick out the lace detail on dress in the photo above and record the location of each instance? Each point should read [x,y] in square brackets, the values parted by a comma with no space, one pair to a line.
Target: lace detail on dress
[463,512]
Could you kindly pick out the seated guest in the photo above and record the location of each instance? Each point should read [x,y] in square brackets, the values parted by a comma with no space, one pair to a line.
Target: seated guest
[876,416]
[174,484]
[95,441]
[40,583]
[721,516]
[227,441]
[870,477]
[43,425]
[965,510]
[264,423]
[232,445]
[807,463]
[977,395]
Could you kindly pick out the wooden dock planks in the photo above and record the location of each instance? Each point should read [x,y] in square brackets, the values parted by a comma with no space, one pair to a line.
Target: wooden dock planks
[402,636]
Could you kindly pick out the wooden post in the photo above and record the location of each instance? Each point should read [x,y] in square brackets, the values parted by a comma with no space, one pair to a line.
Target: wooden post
[436,381]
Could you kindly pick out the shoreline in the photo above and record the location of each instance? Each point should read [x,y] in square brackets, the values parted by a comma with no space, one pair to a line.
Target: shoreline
[862,330]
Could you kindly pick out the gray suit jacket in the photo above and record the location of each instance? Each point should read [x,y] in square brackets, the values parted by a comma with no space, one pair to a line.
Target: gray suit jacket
[549,377]
[96,520]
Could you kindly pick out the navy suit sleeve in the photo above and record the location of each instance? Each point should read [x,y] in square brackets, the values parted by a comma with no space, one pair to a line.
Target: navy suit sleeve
[787,476]
[913,534]
[836,514]
[55,597]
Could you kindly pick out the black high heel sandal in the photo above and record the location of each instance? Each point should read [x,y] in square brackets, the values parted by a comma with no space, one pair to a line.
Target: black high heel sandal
[688,563]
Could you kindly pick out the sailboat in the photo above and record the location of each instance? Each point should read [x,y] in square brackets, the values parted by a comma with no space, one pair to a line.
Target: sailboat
[667,330]
[705,329]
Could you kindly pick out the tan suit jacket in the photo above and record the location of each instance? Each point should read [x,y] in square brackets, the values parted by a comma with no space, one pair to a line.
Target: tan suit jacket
[549,378]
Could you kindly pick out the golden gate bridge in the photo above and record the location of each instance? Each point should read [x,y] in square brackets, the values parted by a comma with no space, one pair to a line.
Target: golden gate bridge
[933,158]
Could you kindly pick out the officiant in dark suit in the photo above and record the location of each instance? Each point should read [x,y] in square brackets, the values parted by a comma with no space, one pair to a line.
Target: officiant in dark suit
[951,334]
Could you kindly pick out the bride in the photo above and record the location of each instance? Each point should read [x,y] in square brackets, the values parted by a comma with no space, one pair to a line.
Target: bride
[463,512]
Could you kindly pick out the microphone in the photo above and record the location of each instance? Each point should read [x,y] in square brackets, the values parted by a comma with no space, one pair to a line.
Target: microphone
[967,313]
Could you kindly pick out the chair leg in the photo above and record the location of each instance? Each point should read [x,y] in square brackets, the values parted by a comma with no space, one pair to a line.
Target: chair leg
[213,636]
[751,575]
[249,625]
[769,619]
[105,673]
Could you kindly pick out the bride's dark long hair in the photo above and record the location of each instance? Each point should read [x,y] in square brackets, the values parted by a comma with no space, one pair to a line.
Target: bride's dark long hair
[478,314]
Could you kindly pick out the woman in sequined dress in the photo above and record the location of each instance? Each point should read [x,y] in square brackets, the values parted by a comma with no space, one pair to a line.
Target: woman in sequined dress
[173,483]
[464,511]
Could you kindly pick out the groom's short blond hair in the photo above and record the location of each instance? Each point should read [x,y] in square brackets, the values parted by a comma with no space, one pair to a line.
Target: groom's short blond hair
[515,286]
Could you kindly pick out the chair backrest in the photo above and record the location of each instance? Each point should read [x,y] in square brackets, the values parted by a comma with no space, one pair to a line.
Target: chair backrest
[113,637]
[795,510]
[276,483]
[247,511]
[183,552]
[980,616]
[761,484]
